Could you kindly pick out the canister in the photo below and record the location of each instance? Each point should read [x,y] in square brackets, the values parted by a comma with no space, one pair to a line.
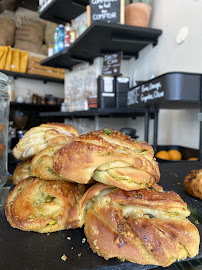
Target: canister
[4,120]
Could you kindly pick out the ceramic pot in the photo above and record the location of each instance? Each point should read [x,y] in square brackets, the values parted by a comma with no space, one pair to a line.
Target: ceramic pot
[137,14]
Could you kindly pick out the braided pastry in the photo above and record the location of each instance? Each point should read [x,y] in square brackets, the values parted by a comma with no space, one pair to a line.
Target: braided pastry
[40,206]
[38,138]
[42,164]
[22,171]
[109,157]
[193,183]
[142,226]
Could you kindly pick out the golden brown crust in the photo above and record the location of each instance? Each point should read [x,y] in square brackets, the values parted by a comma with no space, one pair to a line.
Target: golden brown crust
[193,183]
[38,138]
[77,212]
[42,164]
[40,206]
[142,226]
[114,159]
[22,171]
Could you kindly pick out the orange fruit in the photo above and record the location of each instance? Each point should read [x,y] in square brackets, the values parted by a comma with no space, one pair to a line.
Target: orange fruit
[174,154]
[162,154]
[192,158]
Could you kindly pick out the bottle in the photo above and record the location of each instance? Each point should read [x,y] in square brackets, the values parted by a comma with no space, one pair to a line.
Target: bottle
[56,40]
[50,49]
[67,35]
[4,121]
[72,32]
[63,107]
[61,41]
[11,90]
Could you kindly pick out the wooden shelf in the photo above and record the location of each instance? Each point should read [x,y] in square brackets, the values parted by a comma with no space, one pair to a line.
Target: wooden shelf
[101,38]
[45,79]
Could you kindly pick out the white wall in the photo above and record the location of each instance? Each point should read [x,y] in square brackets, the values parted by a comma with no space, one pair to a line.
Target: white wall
[176,127]
[22,86]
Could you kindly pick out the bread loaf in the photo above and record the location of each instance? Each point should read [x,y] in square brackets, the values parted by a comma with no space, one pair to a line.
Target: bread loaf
[143,226]
[22,171]
[193,183]
[40,206]
[110,157]
[42,164]
[38,138]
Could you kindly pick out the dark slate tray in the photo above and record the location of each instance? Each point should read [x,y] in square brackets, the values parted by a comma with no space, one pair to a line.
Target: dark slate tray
[32,251]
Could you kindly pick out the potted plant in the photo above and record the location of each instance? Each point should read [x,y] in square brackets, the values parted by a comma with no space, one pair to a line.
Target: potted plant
[137,12]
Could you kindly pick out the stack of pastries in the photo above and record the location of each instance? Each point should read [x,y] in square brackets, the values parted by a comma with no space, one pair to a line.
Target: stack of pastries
[106,181]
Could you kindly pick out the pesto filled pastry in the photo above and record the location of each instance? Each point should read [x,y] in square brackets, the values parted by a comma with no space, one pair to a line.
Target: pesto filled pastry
[193,183]
[40,206]
[38,138]
[42,164]
[146,226]
[22,171]
[109,157]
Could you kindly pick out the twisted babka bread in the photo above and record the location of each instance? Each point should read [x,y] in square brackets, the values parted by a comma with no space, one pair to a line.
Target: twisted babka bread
[38,138]
[143,226]
[193,183]
[41,206]
[42,164]
[110,157]
[22,171]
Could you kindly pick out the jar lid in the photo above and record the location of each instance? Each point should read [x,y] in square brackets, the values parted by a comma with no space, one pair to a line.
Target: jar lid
[3,78]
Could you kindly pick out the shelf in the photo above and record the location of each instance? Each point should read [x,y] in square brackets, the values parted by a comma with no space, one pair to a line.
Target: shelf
[101,38]
[62,11]
[173,90]
[32,107]
[45,79]
[101,112]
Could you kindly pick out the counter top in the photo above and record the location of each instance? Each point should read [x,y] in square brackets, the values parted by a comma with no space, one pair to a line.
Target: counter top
[30,251]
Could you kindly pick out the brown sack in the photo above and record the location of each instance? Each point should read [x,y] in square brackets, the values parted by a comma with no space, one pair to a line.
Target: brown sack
[8,25]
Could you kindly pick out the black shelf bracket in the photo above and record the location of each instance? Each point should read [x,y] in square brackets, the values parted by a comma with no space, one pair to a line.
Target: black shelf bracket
[155,43]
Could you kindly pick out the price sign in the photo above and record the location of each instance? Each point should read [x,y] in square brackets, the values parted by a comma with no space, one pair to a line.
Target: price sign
[112,64]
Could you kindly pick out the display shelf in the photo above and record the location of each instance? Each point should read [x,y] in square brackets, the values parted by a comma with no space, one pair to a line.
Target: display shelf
[101,38]
[172,90]
[101,112]
[45,79]
[61,11]
[31,106]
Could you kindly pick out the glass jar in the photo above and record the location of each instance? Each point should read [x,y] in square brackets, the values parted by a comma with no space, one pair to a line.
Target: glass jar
[4,120]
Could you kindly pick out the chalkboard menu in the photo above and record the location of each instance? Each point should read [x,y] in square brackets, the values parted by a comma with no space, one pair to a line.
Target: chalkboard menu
[170,88]
[112,63]
[106,10]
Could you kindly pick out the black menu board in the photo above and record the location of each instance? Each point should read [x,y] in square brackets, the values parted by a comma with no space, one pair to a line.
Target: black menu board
[112,63]
[105,10]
